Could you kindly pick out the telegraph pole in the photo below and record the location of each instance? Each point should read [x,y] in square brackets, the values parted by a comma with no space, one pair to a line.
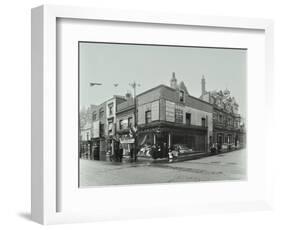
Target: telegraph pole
[134,85]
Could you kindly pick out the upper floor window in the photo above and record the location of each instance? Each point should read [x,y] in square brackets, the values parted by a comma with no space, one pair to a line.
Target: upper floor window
[101,115]
[130,122]
[101,129]
[110,122]
[120,124]
[203,122]
[148,116]
[110,109]
[220,118]
[181,96]
[94,116]
[188,118]
[110,126]
[229,121]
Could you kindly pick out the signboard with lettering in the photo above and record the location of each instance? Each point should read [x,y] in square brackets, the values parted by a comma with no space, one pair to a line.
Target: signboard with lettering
[127,141]
[179,115]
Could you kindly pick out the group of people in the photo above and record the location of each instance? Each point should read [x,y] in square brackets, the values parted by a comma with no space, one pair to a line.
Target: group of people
[173,154]
[117,153]
[163,151]
[156,151]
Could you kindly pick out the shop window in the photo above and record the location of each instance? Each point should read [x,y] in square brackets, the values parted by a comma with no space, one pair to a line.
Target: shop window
[226,139]
[229,139]
[148,116]
[219,139]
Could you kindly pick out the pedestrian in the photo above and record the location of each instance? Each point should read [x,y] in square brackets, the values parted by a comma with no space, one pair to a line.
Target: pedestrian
[131,153]
[165,150]
[170,155]
[153,151]
[117,150]
[136,153]
[175,153]
[120,152]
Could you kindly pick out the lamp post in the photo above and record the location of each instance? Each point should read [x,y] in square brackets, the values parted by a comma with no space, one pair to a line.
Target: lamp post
[134,85]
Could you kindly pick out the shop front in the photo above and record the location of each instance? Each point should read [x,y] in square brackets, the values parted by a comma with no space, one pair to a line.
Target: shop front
[227,139]
[168,135]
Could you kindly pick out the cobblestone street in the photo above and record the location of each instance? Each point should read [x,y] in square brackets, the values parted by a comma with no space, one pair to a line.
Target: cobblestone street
[226,166]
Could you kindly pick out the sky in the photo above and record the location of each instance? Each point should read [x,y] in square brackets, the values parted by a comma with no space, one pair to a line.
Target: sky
[151,65]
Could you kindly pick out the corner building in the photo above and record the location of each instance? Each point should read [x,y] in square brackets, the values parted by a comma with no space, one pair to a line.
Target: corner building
[169,115]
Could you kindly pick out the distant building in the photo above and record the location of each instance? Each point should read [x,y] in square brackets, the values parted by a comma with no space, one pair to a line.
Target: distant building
[104,124]
[125,121]
[86,130]
[169,116]
[228,127]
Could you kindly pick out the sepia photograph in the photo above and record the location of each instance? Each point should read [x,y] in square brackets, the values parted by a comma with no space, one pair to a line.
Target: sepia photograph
[161,114]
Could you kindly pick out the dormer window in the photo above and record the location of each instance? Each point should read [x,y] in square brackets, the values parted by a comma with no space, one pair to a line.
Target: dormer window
[181,96]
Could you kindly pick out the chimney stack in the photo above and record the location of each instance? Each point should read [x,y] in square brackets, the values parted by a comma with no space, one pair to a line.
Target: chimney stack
[173,81]
[203,85]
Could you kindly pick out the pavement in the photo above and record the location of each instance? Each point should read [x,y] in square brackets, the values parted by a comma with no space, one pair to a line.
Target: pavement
[225,166]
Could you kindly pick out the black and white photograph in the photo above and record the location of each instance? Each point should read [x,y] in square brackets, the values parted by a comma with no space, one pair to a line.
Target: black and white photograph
[151,113]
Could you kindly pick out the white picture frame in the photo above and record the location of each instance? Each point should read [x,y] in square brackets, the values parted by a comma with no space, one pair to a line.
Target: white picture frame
[46,181]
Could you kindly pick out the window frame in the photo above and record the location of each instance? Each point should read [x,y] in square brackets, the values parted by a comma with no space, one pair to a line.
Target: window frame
[146,117]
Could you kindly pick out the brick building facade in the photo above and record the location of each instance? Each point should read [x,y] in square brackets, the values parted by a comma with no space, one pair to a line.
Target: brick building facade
[166,116]
[169,115]
[228,125]
[104,125]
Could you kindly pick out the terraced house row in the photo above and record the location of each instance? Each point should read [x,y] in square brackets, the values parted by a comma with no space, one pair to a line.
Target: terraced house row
[167,116]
